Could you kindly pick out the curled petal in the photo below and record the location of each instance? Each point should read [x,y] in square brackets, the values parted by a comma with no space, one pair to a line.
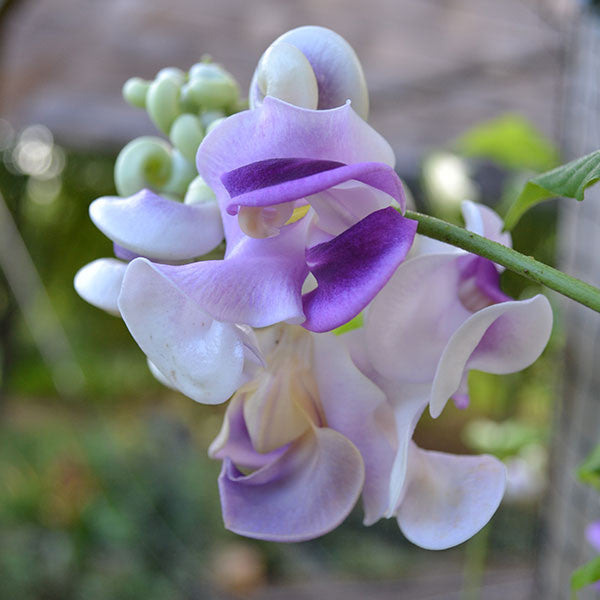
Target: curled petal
[408,402]
[306,492]
[449,498]
[357,408]
[336,67]
[281,130]
[150,225]
[258,284]
[233,441]
[202,358]
[99,283]
[354,266]
[503,338]
[285,73]
[279,180]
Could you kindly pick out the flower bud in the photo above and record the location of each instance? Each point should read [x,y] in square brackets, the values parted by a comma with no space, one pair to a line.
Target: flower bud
[162,102]
[135,91]
[285,73]
[335,67]
[210,87]
[186,134]
[150,162]
[199,192]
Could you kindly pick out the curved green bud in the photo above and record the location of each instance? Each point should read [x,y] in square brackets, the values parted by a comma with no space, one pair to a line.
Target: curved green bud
[187,101]
[182,174]
[162,103]
[143,163]
[175,74]
[210,116]
[199,192]
[135,91]
[214,124]
[186,134]
[211,87]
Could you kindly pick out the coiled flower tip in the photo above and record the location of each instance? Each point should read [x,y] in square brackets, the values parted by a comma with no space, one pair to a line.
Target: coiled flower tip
[311,67]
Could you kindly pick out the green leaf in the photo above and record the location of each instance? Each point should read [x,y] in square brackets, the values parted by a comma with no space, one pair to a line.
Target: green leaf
[589,471]
[570,180]
[512,142]
[586,575]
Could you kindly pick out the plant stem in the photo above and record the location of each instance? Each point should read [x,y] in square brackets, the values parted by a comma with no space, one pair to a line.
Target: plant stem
[527,266]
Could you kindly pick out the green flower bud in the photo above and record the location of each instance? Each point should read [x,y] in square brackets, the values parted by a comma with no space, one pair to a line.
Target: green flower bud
[143,163]
[211,87]
[162,102]
[150,162]
[199,192]
[135,91]
[176,75]
[214,124]
[182,174]
[186,134]
[210,116]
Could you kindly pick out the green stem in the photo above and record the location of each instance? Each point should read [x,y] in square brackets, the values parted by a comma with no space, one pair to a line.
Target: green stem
[527,266]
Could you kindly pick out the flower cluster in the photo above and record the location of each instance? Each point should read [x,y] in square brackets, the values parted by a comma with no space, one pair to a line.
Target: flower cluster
[328,324]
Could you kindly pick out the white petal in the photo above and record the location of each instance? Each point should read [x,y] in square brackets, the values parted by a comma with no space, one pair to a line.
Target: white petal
[449,498]
[201,357]
[285,73]
[502,338]
[157,374]
[157,227]
[99,283]
[411,320]
[336,67]
[357,408]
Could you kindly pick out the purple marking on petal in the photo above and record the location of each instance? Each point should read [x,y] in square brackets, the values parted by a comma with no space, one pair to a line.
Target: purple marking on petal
[479,284]
[273,171]
[592,535]
[279,180]
[354,266]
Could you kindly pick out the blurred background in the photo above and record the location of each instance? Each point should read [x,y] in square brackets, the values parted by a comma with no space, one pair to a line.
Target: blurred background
[105,487]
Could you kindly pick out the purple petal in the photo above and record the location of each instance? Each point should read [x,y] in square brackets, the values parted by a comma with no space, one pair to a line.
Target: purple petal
[150,225]
[357,408]
[281,130]
[354,266]
[306,492]
[202,358]
[99,283]
[233,441]
[258,284]
[279,180]
[449,498]
[479,284]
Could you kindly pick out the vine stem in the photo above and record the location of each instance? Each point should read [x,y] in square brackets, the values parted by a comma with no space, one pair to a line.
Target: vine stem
[527,266]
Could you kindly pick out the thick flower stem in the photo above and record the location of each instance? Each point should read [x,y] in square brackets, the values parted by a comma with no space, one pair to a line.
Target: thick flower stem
[527,266]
